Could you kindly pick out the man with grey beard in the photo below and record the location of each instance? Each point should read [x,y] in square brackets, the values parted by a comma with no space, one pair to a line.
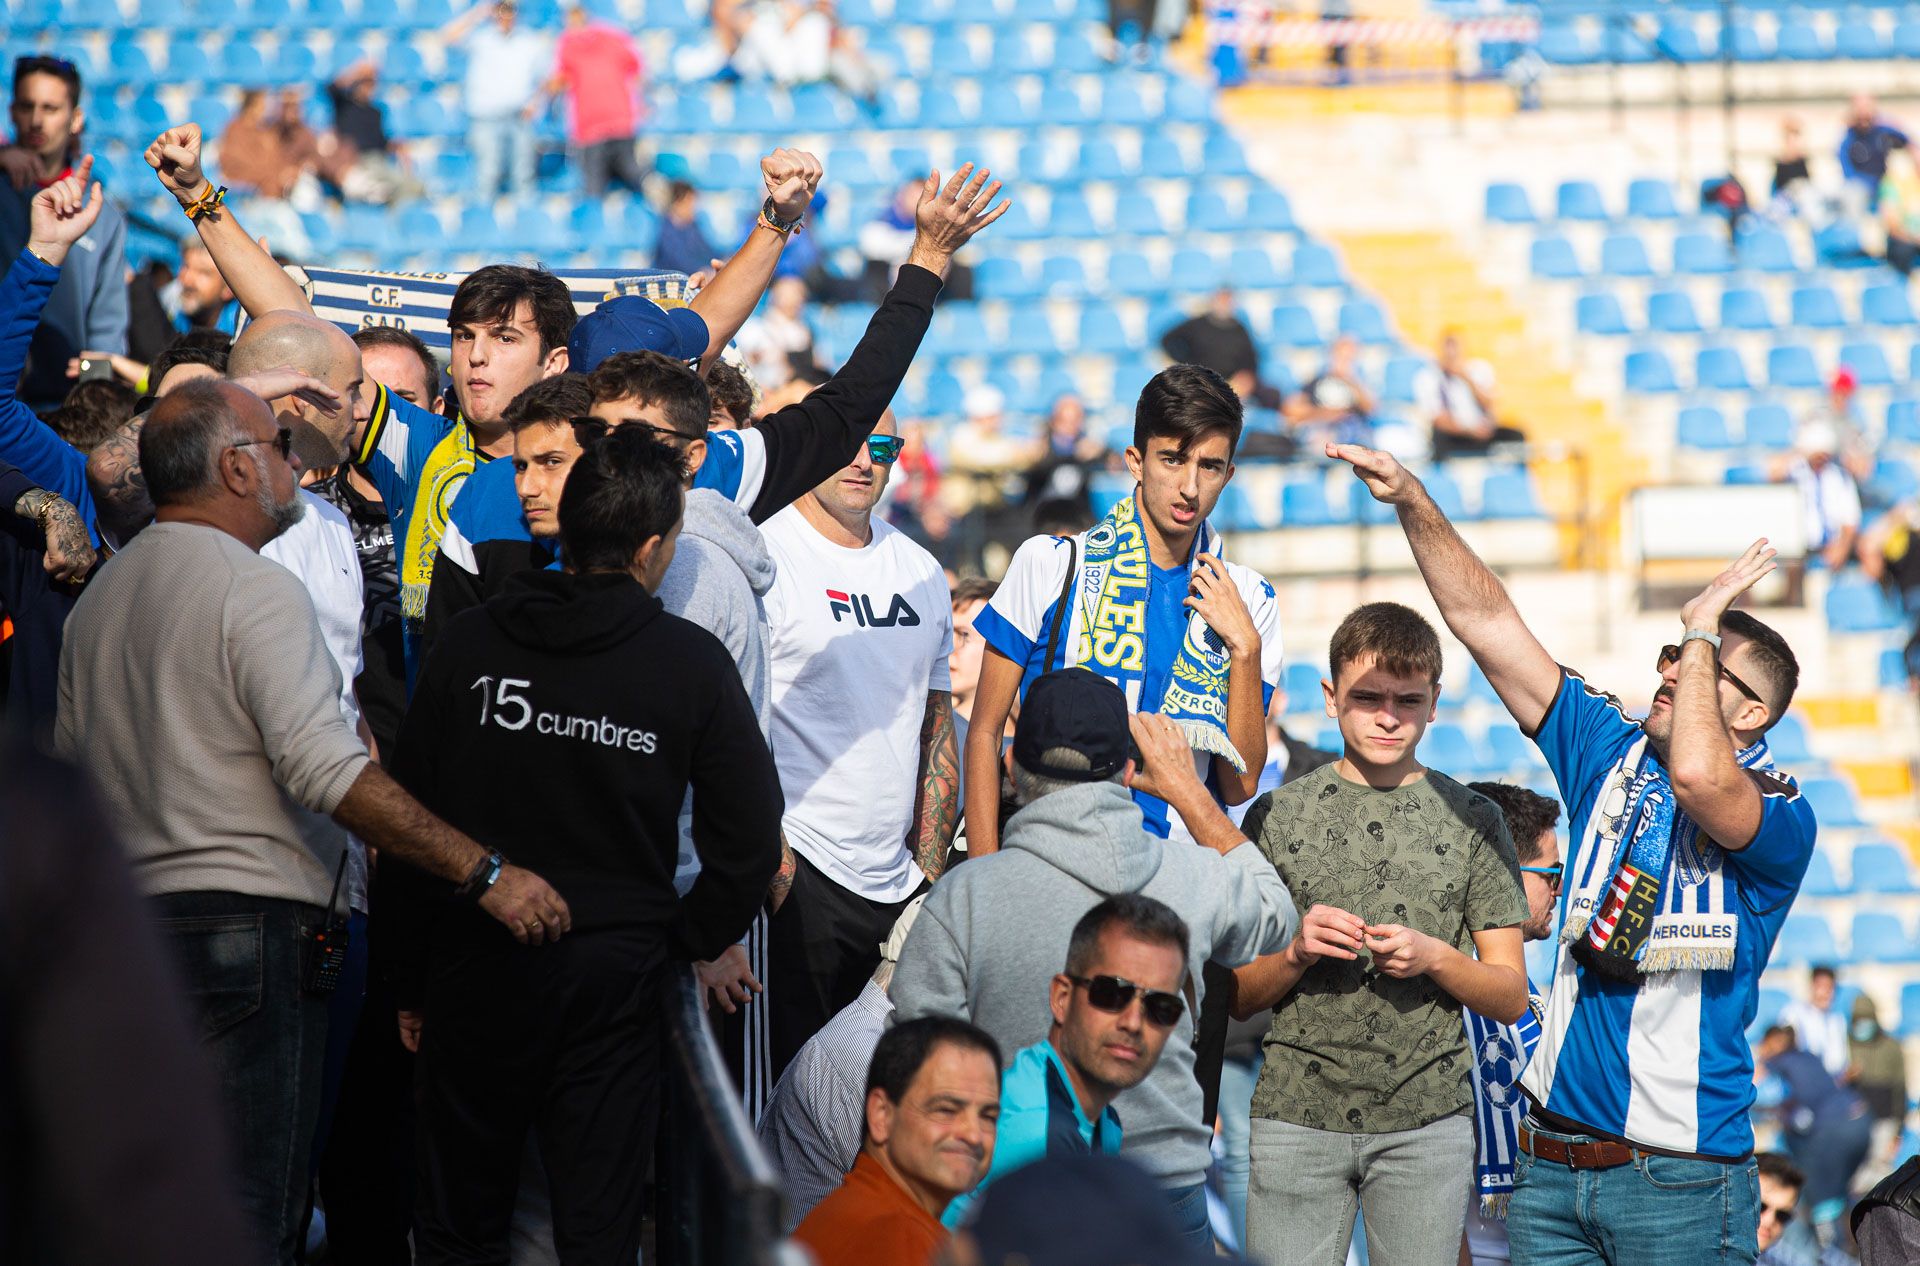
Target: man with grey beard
[197,689]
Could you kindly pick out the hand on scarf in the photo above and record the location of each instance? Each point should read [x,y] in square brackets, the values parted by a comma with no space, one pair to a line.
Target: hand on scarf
[1402,952]
[1711,603]
[1220,604]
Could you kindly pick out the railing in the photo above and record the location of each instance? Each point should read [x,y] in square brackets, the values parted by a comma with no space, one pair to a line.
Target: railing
[719,1198]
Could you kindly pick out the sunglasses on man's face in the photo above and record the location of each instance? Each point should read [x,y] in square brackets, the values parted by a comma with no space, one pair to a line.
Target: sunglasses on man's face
[283,440]
[1782,1216]
[1114,994]
[1551,873]
[884,450]
[1670,654]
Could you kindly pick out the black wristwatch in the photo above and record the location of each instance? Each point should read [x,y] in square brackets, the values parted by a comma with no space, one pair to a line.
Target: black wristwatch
[481,879]
[773,220]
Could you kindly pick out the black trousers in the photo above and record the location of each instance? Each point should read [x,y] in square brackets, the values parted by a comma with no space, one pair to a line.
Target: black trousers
[562,1039]
[823,944]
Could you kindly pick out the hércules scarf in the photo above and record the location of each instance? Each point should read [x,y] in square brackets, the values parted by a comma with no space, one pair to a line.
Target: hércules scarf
[1652,894]
[1109,633]
[1499,1055]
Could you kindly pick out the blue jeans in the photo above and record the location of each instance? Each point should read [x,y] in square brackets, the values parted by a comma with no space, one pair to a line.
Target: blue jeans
[1190,1215]
[504,143]
[241,958]
[1657,1211]
[1237,1080]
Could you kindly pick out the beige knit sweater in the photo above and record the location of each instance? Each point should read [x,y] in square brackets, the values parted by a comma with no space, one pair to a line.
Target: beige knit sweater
[196,689]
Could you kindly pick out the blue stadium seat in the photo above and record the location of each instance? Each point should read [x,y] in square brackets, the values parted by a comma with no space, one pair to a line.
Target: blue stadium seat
[1768,424]
[1744,308]
[1302,684]
[1906,43]
[1680,41]
[1030,332]
[1909,1010]
[1767,250]
[1102,332]
[1070,216]
[1649,372]
[1893,481]
[1879,938]
[1509,748]
[1702,254]
[1189,100]
[1019,224]
[1304,503]
[1565,45]
[1061,106]
[1671,312]
[959,330]
[1208,212]
[1192,270]
[1447,747]
[1293,325]
[1553,259]
[242,62]
[1509,494]
[1702,427]
[1402,378]
[952,55]
[1747,44]
[1269,211]
[294,64]
[1444,490]
[1161,158]
[128,63]
[1888,305]
[1013,54]
[1508,204]
[1720,369]
[1317,265]
[1363,319]
[1580,200]
[1799,41]
[1805,938]
[1004,277]
[1787,740]
[1820,880]
[1600,313]
[1651,200]
[1222,156]
[1135,212]
[1817,307]
[1903,421]
[1856,37]
[1860,606]
[1122,104]
[1881,868]
[1625,255]
[1868,361]
[1791,365]
[1100,160]
[1061,276]
[188,62]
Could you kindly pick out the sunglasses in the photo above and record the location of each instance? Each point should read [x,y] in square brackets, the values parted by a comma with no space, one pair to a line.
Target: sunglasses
[586,430]
[1670,654]
[40,63]
[1114,994]
[282,441]
[884,450]
[1552,872]
[1782,1216]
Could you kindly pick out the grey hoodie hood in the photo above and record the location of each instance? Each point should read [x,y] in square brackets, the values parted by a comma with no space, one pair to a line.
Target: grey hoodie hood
[712,517]
[1092,833]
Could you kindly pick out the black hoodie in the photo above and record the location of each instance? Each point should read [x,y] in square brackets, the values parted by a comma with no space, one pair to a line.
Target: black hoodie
[562,723]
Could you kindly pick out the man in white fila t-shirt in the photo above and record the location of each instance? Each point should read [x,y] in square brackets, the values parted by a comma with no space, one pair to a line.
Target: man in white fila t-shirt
[861,628]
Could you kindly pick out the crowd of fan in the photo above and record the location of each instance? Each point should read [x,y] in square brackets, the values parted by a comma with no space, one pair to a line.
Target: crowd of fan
[434,719]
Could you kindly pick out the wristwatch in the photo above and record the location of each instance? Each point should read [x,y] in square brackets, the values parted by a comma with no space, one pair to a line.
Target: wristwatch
[481,878]
[774,222]
[1701,635]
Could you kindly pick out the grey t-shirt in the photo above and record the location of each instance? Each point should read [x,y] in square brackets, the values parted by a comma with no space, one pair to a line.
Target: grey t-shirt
[1351,1049]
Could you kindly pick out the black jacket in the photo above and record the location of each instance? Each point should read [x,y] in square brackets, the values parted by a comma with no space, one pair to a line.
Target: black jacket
[39,610]
[562,724]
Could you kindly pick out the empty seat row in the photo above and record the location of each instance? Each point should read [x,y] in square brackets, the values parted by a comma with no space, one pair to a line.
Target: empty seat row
[1677,40]
[1647,199]
[1789,366]
[1699,253]
[1815,306]
[1873,936]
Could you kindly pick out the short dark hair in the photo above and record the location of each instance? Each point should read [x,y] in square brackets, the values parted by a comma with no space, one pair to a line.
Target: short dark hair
[1822,969]
[969,589]
[655,378]
[624,489]
[1774,657]
[1782,1030]
[492,295]
[905,1048]
[557,399]
[730,389]
[1140,917]
[195,347]
[406,341]
[92,411]
[1399,639]
[1776,1166]
[679,189]
[1529,815]
[40,64]
[183,438]
[1183,403]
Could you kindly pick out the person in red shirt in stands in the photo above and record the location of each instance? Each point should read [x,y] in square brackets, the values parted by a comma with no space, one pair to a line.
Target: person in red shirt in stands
[933,1103]
[596,65]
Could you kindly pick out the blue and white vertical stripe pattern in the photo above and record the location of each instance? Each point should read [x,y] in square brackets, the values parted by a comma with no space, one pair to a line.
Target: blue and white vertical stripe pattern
[1499,1053]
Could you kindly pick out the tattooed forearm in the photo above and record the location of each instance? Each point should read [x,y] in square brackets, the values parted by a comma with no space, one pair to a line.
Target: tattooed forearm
[782,878]
[70,554]
[119,489]
[937,808]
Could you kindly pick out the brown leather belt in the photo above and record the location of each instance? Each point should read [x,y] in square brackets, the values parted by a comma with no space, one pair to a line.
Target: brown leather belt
[1596,1155]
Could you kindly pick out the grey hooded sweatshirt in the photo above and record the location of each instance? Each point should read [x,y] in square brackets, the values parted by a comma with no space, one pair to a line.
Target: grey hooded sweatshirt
[994,932]
[718,579]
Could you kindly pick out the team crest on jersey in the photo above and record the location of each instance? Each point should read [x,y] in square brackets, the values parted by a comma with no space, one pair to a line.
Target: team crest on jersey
[860,606]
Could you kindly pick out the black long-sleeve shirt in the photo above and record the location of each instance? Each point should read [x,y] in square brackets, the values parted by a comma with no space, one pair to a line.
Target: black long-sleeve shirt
[38,608]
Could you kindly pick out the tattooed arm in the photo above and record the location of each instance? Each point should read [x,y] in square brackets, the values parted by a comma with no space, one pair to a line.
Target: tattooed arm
[937,808]
[782,878]
[70,554]
[119,489]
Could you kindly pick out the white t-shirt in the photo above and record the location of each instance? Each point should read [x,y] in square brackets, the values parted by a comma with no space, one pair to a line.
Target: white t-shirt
[857,640]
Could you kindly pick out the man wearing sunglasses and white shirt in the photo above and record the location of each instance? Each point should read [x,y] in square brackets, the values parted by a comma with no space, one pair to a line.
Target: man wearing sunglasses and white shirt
[860,629]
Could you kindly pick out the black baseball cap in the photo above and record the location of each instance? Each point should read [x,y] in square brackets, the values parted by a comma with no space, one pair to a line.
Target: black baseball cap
[1078,710]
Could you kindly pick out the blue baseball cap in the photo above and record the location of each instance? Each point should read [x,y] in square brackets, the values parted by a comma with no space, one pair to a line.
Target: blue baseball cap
[631,323]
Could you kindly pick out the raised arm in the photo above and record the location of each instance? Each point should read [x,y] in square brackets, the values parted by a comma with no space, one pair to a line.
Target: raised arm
[261,285]
[1473,602]
[727,301]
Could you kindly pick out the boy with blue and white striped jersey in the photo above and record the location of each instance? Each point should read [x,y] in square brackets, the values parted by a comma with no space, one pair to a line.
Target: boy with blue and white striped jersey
[1687,850]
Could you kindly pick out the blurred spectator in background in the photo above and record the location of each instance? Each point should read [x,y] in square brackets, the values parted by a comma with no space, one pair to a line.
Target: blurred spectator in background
[93,410]
[506,67]
[1780,1185]
[732,394]
[1818,1029]
[1900,209]
[1791,176]
[794,390]
[982,465]
[914,503]
[1827,490]
[1826,1126]
[1221,341]
[780,339]
[1877,1068]
[88,307]
[1335,405]
[368,165]
[886,239]
[1865,145]
[1455,398]
[1139,26]
[199,298]
[683,245]
[1059,480]
[596,65]
[266,150]
[784,41]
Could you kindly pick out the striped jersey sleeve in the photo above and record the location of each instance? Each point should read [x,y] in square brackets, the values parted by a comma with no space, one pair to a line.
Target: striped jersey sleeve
[736,465]
[1016,620]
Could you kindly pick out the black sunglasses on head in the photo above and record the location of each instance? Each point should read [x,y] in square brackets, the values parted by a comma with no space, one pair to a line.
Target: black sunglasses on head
[1114,994]
[40,63]
[282,440]
[1670,654]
